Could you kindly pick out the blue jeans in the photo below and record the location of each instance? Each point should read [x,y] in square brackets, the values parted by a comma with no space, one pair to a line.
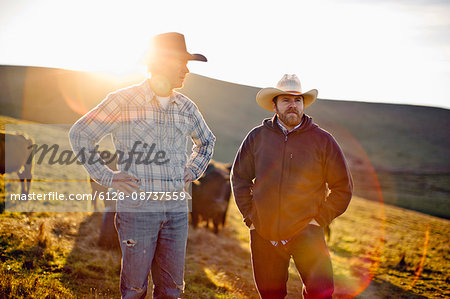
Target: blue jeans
[311,257]
[156,242]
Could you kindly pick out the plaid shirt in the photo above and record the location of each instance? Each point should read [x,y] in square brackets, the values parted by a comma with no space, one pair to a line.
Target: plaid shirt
[135,118]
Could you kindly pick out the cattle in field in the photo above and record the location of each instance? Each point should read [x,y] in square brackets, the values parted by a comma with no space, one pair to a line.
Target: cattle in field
[15,157]
[211,195]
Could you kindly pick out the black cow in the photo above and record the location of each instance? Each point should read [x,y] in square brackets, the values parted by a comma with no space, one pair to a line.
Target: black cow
[211,195]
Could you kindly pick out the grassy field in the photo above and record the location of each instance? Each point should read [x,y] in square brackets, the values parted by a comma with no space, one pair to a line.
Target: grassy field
[378,251]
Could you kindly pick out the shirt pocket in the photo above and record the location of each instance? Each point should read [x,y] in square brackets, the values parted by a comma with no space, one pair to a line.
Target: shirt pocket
[179,130]
[178,150]
[181,133]
[145,142]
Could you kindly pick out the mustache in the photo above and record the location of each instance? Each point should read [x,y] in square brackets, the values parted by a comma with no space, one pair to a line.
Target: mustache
[292,110]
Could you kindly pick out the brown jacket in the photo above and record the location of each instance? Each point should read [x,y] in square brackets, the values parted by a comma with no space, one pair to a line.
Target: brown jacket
[279,181]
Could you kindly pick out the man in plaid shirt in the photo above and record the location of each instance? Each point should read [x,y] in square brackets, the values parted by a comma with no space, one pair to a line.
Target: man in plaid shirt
[150,123]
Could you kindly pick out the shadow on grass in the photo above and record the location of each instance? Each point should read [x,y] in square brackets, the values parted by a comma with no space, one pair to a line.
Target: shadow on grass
[347,283]
[379,288]
[346,287]
[218,266]
[214,265]
[91,270]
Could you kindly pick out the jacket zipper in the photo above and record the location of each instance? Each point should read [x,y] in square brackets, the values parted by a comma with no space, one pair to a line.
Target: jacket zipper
[279,188]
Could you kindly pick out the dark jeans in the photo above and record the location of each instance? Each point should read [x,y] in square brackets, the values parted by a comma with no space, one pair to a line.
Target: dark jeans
[311,257]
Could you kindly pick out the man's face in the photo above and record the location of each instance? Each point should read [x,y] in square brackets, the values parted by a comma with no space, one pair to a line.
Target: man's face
[176,70]
[170,72]
[289,109]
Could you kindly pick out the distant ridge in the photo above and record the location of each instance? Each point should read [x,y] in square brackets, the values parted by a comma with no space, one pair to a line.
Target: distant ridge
[403,148]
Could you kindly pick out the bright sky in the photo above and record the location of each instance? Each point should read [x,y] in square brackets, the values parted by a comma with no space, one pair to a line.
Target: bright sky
[394,51]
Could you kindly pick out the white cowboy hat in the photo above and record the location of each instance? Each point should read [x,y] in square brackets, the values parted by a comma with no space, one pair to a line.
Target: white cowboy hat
[290,85]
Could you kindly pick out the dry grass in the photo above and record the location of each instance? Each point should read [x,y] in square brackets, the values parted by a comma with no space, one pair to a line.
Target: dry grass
[367,246]
[378,251]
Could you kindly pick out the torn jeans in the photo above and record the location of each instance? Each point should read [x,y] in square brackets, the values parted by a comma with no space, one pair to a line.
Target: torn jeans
[152,242]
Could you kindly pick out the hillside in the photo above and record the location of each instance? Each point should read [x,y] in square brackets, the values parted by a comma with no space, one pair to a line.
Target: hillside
[378,250]
[55,255]
[397,153]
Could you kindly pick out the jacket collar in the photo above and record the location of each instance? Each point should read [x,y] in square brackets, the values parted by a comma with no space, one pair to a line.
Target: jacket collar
[286,130]
[274,121]
[306,124]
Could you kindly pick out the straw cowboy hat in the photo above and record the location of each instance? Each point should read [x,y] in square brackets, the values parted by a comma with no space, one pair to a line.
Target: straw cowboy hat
[288,85]
[170,44]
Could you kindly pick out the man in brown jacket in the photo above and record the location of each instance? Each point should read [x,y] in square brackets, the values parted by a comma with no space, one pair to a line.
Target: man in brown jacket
[281,178]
